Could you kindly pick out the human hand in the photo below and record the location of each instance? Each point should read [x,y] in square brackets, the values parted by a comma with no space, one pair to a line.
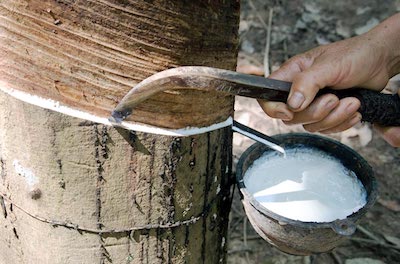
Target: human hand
[366,61]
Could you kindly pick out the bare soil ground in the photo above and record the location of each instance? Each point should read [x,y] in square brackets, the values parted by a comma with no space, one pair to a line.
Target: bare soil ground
[296,27]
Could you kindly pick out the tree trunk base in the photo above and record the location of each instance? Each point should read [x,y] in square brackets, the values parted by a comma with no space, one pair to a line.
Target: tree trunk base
[76,191]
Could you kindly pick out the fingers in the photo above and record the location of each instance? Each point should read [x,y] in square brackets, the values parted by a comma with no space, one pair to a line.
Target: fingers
[344,112]
[390,134]
[328,114]
[318,110]
[325,113]
[306,85]
[286,72]
[307,80]
[345,125]
[276,110]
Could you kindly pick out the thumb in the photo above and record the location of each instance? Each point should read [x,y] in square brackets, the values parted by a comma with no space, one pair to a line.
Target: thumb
[307,84]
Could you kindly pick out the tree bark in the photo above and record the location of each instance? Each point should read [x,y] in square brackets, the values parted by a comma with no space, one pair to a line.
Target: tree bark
[74,191]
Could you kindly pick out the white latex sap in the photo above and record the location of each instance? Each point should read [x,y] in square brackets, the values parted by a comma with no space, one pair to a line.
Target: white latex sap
[308,185]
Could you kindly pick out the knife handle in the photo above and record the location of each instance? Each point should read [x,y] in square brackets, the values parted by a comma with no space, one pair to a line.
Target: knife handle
[377,108]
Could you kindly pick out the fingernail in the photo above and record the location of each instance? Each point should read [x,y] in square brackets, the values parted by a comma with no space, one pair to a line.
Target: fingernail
[296,100]
[351,108]
[282,115]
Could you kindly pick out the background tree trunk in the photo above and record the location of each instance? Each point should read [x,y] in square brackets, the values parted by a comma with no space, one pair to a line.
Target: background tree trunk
[73,191]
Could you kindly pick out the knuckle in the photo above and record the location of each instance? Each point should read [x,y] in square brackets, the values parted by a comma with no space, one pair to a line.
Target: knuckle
[294,59]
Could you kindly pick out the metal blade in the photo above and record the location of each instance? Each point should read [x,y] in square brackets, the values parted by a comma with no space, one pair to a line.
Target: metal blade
[204,79]
[256,87]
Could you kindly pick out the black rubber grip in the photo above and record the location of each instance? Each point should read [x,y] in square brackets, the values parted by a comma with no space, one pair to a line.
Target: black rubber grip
[377,108]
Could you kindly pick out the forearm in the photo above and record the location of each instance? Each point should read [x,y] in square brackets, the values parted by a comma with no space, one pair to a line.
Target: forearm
[387,36]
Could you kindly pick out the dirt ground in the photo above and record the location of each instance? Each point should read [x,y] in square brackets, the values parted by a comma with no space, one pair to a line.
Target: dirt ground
[296,27]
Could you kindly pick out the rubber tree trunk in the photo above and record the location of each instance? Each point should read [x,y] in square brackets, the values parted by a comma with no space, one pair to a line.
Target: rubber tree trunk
[74,191]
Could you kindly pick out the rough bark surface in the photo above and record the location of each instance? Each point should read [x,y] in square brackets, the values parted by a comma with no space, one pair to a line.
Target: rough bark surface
[72,191]
[89,54]
[65,180]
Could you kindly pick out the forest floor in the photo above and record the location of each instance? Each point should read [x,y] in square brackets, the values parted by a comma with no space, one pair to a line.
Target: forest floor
[296,27]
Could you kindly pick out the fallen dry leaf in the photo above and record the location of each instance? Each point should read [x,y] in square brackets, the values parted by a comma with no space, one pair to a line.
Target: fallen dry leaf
[393,240]
[392,205]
